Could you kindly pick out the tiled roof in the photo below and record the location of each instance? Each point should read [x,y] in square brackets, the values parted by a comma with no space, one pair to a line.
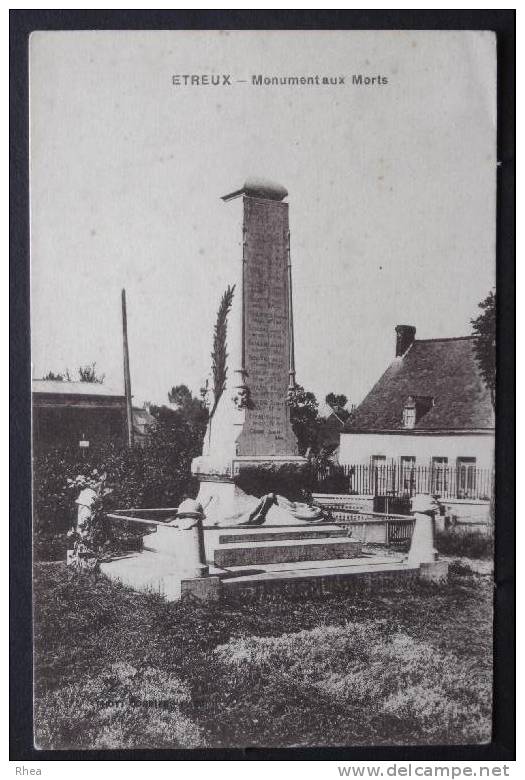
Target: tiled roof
[54,387]
[443,369]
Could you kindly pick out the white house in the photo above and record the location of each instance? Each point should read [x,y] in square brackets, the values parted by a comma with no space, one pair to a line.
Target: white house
[428,417]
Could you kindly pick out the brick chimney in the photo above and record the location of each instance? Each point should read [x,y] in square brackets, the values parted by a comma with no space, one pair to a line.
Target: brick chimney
[405,335]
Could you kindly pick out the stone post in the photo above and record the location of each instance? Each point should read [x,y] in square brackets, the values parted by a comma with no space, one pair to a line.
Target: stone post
[191,541]
[422,552]
[422,545]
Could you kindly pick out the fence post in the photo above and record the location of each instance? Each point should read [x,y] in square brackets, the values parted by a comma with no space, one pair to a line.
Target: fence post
[189,517]
[422,543]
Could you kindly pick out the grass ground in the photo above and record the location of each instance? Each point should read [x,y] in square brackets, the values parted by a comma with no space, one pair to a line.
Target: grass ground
[116,669]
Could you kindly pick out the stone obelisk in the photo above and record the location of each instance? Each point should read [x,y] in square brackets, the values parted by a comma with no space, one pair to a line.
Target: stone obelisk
[251,427]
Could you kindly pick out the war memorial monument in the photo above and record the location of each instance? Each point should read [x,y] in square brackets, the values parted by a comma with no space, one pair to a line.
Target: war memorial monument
[229,537]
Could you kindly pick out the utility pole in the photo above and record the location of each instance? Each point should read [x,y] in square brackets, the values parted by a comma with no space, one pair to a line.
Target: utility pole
[127,377]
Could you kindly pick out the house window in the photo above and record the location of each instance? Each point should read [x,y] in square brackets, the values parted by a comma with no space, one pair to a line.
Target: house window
[409,413]
[407,476]
[416,406]
[439,475]
[466,477]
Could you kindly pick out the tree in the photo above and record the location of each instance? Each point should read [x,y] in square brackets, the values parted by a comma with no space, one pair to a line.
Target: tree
[191,409]
[180,395]
[182,427]
[338,404]
[304,418]
[87,373]
[484,328]
[336,401]
[173,429]
[52,377]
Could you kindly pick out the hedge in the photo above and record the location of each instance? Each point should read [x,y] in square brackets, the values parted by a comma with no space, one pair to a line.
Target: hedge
[154,476]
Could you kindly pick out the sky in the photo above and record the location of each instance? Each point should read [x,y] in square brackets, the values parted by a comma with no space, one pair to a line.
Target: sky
[391,192]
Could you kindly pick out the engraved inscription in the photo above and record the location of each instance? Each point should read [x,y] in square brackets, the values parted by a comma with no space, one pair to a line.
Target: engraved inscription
[267,429]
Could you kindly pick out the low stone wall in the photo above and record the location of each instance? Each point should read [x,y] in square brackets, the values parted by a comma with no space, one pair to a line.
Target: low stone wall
[363,528]
[344,501]
[355,515]
[466,515]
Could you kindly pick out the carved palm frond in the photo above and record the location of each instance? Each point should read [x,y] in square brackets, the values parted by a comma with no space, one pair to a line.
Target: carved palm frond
[219,354]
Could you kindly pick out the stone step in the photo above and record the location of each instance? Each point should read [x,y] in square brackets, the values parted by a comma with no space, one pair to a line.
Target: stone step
[278,534]
[287,551]
[365,559]
[318,577]
[314,568]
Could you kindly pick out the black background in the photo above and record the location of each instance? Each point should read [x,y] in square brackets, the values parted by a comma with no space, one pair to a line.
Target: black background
[22,23]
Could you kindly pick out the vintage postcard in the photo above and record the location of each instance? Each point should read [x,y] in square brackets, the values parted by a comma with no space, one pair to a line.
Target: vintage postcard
[263,387]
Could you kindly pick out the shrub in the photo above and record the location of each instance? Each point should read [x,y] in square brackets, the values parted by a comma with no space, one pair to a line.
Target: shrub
[288,480]
[154,476]
[327,477]
[459,569]
[465,544]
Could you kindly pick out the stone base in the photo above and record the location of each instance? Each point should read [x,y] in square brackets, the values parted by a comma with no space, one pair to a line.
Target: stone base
[207,468]
[146,572]
[202,588]
[267,461]
[437,571]
[150,572]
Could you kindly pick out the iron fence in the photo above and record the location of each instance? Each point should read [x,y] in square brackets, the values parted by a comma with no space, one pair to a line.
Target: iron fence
[374,527]
[400,481]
